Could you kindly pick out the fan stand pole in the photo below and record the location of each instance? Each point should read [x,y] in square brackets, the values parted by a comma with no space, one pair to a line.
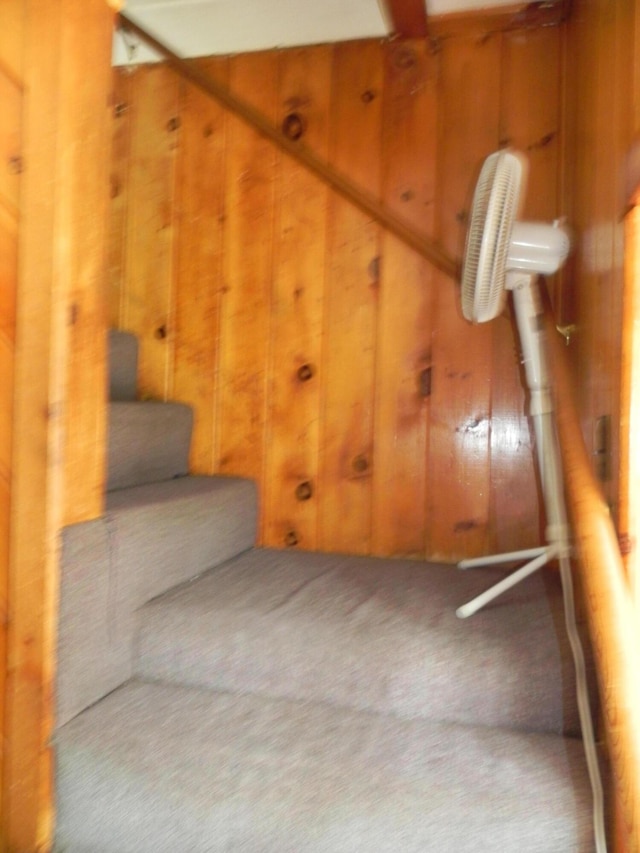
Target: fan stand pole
[528,317]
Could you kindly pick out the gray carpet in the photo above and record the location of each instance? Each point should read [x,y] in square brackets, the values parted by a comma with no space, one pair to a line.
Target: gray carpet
[162,769]
[151,538]
[148,442]
[293,702]
[371,634]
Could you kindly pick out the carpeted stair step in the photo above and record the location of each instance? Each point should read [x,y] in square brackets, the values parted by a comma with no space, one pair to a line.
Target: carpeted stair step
[151,538]
[148,442]
[371,634]
[123,365]
[163,769]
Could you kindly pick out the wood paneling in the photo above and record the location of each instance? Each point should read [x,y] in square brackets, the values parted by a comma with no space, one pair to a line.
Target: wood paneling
[251,164]
[82,203]
[119,190]
[11,97]
[58,366]
[386,447]
[148,299]
[602,119]
[401,477]
[291,479]
[12,35]
[354,278]
[600,116]
[460,487]
[200,259]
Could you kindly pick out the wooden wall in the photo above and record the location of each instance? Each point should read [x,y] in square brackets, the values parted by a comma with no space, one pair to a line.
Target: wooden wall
[602,116]
[11,97]
[322,357]
[55,80]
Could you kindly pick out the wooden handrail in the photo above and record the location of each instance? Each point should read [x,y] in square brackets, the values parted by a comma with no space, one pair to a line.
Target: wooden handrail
[336,181]
[612,619]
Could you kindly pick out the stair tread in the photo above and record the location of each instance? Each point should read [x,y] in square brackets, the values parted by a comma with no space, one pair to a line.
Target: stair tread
[151,538]
[367,633]
[166,533]
[161,768]
[149,442]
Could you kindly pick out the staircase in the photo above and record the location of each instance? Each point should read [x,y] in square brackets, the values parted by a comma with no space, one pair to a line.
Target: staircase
[212,696]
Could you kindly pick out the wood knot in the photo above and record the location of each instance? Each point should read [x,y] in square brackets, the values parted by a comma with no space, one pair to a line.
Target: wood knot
[404,57]
[15,165]
[306,372]
[293,126]
[173,124]
[360,464]
[367,96]
[424,382]
[304,491]
[291,539]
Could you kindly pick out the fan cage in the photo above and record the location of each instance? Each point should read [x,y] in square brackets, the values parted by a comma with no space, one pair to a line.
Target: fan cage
[493,213]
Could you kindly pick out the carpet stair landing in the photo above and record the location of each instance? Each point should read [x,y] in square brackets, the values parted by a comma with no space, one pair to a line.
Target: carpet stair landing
[155,767]
[213,696]
[368,634]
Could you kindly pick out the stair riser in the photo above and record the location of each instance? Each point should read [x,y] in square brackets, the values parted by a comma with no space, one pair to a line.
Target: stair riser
[148,443]
[150,539]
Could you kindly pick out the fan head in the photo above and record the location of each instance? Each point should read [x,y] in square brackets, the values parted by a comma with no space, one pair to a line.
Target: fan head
[493,213]
[500,250]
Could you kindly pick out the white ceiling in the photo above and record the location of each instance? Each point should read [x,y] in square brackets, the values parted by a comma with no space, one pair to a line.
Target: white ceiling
[208,27]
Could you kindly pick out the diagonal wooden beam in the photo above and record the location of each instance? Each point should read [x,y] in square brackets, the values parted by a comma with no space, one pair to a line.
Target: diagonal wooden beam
[303,155]
[408,18]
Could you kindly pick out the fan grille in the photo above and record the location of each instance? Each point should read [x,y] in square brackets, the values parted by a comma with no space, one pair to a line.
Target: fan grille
[495,204]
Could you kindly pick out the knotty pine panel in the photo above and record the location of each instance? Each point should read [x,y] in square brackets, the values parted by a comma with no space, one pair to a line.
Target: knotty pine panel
[290,493]
[353,282]
[11,97]
[12,35]
[407,293]
[147,300]
[60,56]
[242,403]
[120,161]
[459,443]
[82,206]
[199,258]
[409,435]
[10,142]
[601,125]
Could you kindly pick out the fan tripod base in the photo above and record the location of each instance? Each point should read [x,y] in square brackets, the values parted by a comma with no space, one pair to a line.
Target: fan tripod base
[537,557]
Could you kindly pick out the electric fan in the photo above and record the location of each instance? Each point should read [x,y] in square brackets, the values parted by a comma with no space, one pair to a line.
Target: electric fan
[503,255]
